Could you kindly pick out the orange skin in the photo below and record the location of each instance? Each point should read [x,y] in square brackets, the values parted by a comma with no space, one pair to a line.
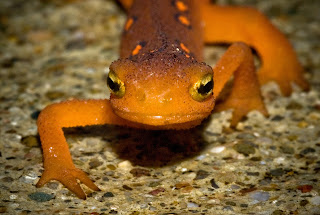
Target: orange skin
[160,62]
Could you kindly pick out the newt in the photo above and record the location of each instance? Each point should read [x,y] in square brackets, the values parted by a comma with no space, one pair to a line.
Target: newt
[161,82]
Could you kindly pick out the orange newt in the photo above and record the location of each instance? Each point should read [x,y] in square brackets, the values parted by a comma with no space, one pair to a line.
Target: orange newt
[161,81]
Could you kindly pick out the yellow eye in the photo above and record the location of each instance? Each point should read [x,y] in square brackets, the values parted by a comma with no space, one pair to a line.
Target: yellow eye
[203,88]
[115,85]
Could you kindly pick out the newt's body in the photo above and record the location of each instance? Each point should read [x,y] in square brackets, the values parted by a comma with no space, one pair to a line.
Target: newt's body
[160,81]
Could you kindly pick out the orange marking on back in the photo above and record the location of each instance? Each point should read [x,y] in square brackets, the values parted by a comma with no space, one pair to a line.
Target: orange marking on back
[128,24]
[136,50]
[184,20]
[184,48]
[181,6]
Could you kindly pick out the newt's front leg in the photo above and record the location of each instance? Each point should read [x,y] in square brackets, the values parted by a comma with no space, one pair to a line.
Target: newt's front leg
[58,164]
[245,94]
[244,24]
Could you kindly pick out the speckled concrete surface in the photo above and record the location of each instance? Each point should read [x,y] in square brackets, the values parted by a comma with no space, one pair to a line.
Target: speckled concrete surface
[53,51]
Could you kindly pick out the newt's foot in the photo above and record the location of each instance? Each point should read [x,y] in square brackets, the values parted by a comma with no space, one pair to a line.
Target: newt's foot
[68,177]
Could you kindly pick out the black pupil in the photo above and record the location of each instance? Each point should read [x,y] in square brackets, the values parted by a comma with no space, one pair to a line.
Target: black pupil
[113,86]
[205,89]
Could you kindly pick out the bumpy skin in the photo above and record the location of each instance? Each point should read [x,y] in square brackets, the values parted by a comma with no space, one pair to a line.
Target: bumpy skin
[160,59]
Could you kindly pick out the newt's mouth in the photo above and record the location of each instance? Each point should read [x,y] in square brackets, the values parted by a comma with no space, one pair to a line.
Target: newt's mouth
[163,120]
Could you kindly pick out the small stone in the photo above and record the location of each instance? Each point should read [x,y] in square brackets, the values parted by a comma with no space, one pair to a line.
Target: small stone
[277,172]
[3,209]
[108,195]
[138,172]
[126,187]
[278,212]
[214,184]
[245,136]
[277,118]
[94,163]
[253,173]
[315,200]
[244,148]
[76,42]
[235,187]
[307,151]
[192,205]
[231,203]
[255,159]
[304,202]
[287,150]
[52,95]
[244,205]
[247,190]
[260,196]
[218,149]
[126,165]
[31,141]
[111,167]
[157,191]
[201,174]
[7,179]
[305,188]
[35,115]
[294,106]
[292,137]
[154,184]
[53,185]
[303,124]
[40,196]
[182,185]
[264,141]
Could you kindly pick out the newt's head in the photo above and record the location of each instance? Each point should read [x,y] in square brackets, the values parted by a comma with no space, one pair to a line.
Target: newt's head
[161,94]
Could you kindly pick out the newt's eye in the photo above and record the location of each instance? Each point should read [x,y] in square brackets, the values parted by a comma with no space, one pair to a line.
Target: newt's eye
[115,85]
[203,88]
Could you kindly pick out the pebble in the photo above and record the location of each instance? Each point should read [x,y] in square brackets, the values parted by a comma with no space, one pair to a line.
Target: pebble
[244,148]
[214,184]
[34,115]
[94,163]
[287,149]
[245,136]
[305,188]
[31,141]
[52,95]
[40,196]
[260,196]
[315,200]
[218,149]
[228,208]
[307,151]
[303,202]
[201,174]
[126,165]
[157,191]
[192,205]
[138,172]
[278,212]
[277,172]
[3,209]
[108,195]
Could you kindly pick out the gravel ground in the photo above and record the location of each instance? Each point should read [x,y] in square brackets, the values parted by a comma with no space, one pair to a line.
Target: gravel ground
[57,50]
